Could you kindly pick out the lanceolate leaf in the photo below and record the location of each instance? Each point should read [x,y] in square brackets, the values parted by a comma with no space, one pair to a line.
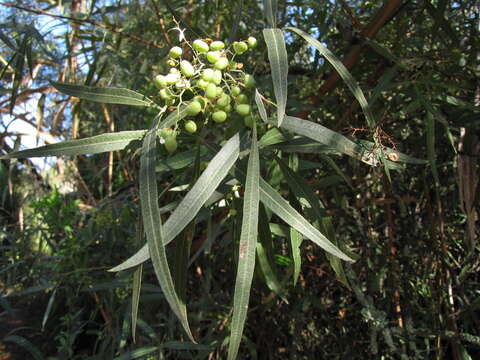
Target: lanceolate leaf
[275,202]
[172,118]
[246,253]
[342,71]
[277,55]
[92,145]
[136,289]
[270,12]
[215,172]
[104,95]
[261,107]
[329,138]
[154,230]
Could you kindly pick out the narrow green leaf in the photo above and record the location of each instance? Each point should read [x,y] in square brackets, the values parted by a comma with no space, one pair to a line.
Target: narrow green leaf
[137,353]
[271,137]
[277,56]
[261,107]
[246,253]
[25,344]
[342,71]
[215,172]
[270,12]
[104,95]
[296,240]
[136,288]
[329,138]
[176,115]
[92,145]
[182,160]
[49,308]
[275,202]
[154,229]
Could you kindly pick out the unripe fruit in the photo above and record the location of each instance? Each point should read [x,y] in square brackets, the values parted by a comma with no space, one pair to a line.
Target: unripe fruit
[240,47]
[241,99]
[171,143]
[165,132]
[200,45]
[213,56]
[227,108]
[248,121]
[186,68]
[191,126]
[219,116]
[200,100]
[217,45]
[208,75]
[249,81]
[202,84]
[171,63]
[165,94]
[174,70]
[252,42]
[171,79]
[217,77]
[182,84]
[221,64]
[211,91]
[194,108]
[175,52]
[235,91]
[160,81]
[219,91]
[224,100]
[242,109]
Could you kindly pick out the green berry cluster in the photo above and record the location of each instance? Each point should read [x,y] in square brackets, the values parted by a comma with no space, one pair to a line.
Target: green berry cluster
[207,79]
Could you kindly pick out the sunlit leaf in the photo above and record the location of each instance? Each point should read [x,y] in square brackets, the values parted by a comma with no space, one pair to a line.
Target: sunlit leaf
[104,95]
[277,56]
[246,253]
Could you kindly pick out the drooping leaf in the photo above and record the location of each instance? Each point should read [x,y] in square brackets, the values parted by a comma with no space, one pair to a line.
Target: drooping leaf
[261,107]
[136,289]
[25,344]
[137,353]
[329,138]
[275,202]
[92,145]
[342,71]
[215,172]
[104,95]
[154,229]
[277,56]
[246,253]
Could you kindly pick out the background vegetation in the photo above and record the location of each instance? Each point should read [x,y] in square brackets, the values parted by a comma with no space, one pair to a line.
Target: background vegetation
[413,291]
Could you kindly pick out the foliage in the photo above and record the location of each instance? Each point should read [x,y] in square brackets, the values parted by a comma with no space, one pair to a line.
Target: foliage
[337,153]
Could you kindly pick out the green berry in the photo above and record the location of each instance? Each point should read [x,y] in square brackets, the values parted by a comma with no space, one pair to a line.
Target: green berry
[191,126]
[217,45]
[186,68]
[202,84]
[249,81]
[201,100]
[165,132]
[160,81]
[171,143]
[217,77]
[242,109]
[219,116]
[200,45]
[252,42]
[241,99]
[171,79]
[165,94]
[221,64]
[227,108]
[208,75]
[211,91]
[248,121]
[194,108]
[224,100]
[213,56]
[175,52]
[240,47]
[219,91]
[235,91]
[182,84]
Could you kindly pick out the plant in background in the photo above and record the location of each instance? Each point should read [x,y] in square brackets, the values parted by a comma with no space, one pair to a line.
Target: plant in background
[208,94]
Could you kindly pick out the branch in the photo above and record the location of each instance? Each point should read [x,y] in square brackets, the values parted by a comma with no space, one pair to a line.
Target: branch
[84,21]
